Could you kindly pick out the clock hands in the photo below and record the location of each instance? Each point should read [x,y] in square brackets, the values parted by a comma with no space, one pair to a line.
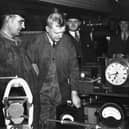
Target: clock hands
[116,73]
[113,74]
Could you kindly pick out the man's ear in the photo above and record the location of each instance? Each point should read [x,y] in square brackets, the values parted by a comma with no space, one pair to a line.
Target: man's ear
[7,18]
[47,28]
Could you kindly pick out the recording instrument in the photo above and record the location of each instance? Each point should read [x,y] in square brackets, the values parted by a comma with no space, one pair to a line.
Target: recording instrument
[117,71]
[69,116]
[111,115]
[117,75]
[18,104]
[107,112]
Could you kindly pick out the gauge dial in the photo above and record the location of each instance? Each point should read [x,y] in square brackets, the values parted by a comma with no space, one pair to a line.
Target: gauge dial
[116,73]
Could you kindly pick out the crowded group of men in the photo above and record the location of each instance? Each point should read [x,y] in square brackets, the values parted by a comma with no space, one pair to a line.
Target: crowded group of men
[49,62]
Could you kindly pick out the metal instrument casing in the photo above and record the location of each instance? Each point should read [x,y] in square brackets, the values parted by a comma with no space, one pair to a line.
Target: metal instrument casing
[18,105]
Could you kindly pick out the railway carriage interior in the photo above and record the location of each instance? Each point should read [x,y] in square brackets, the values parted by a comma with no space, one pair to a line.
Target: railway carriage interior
[104,81]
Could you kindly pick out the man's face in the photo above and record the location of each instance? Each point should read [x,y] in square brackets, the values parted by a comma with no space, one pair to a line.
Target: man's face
[124,25]
[16,24]
[73,24]
[55,32]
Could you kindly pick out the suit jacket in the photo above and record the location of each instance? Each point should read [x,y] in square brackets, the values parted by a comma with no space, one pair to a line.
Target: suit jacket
[117,45]
[78,45]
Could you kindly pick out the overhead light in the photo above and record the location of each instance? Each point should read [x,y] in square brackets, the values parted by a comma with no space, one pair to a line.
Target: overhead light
[116,0]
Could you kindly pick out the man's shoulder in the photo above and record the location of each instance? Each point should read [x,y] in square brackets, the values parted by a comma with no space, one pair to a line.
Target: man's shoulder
[67,37]
[68,41]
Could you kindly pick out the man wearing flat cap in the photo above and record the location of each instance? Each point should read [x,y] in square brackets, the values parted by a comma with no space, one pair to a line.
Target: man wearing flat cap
[73,24]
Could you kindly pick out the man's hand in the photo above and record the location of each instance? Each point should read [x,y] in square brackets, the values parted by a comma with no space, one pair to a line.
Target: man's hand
[76,99]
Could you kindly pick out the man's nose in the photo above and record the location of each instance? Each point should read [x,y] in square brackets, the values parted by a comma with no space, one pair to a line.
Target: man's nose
[23,25]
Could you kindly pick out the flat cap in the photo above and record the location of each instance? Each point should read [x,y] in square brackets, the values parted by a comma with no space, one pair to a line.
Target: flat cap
[12,11]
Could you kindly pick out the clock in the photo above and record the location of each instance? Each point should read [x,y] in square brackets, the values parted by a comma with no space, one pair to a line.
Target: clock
[117,72]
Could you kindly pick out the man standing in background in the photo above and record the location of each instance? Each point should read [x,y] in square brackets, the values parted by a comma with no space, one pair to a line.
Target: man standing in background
[119,44]
[73,24]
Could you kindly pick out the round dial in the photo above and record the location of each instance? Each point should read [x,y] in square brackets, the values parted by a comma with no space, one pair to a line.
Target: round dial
[111,115]
[111,112]
[116,73]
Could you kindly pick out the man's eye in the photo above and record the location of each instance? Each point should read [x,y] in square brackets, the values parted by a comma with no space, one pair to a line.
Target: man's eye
[21,23]
[55,32]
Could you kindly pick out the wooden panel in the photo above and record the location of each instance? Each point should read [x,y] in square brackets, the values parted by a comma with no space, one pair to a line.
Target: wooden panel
[96,5]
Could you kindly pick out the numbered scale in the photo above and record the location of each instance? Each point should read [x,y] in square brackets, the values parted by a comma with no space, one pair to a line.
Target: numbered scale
[117,72]
[111,115]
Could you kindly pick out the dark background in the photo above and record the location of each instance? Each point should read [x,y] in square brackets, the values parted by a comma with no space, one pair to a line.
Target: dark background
[89,10]
[99,16]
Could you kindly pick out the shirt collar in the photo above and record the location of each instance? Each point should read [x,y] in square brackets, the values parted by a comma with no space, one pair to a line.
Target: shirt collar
[9,38]
[50,40]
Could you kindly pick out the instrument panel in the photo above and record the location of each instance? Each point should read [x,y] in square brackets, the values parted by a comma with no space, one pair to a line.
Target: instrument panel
[109,79]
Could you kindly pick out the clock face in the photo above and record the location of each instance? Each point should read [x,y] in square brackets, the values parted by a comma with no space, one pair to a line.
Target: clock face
[116,73]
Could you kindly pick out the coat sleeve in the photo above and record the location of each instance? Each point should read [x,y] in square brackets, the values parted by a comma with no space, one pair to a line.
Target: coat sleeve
[5,67]
[74,67]
[32,49]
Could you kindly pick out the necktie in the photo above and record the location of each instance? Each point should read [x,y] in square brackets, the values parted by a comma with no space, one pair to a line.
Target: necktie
[124,36]
[76,36]
[54,44]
